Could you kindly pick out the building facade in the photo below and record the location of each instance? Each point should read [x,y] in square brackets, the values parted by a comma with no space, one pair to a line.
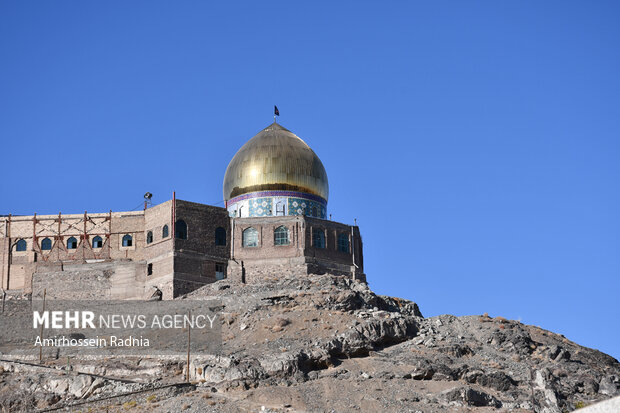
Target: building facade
[274,223]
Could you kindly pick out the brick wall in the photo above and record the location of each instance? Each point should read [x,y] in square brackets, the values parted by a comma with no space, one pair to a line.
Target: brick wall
[197,256]
[301,256]
[266,247]
[93,281]
[175,266]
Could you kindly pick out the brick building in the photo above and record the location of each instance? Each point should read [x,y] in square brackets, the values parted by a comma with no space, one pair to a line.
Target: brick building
[274,223]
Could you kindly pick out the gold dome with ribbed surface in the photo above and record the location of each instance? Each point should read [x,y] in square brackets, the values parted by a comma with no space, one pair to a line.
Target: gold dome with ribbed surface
[275,160]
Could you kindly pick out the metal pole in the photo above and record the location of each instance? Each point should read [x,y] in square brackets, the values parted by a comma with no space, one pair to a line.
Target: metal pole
[59,236]
[34,231]
[84,239]
[3,254]
[189,329]
[110,235]
[41,331]
[10,255]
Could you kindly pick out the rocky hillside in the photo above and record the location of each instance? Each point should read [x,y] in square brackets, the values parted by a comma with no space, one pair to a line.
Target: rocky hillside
[323,344]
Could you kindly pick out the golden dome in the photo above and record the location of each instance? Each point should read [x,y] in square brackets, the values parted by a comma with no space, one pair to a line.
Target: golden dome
[275,160]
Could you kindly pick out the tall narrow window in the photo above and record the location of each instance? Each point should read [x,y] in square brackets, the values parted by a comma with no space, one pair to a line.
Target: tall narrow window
[318,238]
[149,237]
[46,244]
[149,269]
[343,243]
[181,229]
[280,236]
[250,237]
[314,214]
[281,208]
[97,242]
[220,236]
[165,231]
[72,243]
[127,240]
[21,245]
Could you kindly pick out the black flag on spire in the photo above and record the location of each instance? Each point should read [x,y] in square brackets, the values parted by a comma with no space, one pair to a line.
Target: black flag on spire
[276,111]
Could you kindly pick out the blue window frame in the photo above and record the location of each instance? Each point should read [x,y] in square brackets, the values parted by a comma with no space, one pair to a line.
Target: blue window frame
[318,238]
[21,245]
[97,242]
[280,236]
[127,240]
[250,237]
[46,244]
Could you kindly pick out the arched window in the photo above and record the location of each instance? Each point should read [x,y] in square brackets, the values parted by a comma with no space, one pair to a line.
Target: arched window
[46,244]
[164,231]
[280,236]
[97,242]
[250,237]
[181,229]
[72,243]
[21,245]
[220,236]
[149,237]
[343,243]
[318,238]
[127,240]
[314,214]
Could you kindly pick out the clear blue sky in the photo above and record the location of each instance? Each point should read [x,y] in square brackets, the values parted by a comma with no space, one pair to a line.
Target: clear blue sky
[477,143]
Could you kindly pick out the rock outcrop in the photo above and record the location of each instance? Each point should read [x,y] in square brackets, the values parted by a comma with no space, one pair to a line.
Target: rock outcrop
[326,343]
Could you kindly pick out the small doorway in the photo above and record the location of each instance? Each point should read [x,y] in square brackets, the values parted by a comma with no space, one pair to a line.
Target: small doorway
[220,271]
